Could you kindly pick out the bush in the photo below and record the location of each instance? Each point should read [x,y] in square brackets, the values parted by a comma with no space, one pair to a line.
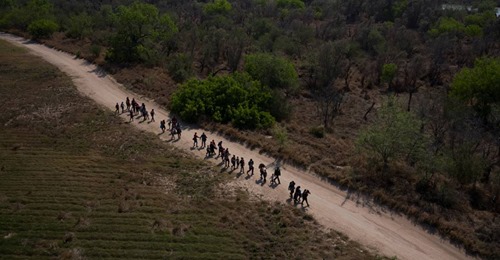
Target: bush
[236,98]
[291,4]
[179,67]
[317,131]
[95,50]
[42,28]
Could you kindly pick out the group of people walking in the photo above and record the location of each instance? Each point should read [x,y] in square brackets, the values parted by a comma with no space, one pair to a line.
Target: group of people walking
[297,195]
[234,162]
[133,108]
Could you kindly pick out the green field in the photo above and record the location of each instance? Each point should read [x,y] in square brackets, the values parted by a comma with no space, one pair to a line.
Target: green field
[77,182]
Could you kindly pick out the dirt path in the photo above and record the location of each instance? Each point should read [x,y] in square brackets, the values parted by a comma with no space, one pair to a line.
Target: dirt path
[380,231]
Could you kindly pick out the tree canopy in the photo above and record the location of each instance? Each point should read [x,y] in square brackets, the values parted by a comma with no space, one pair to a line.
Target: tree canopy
[139,29]
[272,71]
[480,85]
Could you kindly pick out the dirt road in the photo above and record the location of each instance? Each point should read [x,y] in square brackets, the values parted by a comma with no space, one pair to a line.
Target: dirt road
[382,232]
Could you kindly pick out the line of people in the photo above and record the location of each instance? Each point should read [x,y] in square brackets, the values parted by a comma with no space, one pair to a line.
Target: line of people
[234,162]
[296,194]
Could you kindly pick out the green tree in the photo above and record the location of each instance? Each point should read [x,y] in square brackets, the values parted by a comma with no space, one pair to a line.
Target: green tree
[79,26]
[479,85]
[42,28]
[21,16]
[394,135]
[291,4]
[388,74]
[141,33]
[272,71]
[217,7]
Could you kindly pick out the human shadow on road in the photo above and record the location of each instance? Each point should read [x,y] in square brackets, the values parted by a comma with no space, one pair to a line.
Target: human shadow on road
[101,73]
[273,185]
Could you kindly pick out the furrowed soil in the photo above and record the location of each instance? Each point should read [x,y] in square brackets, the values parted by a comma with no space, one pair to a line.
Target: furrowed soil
[77,182]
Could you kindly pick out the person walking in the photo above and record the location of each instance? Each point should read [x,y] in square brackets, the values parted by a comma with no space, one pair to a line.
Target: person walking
[127,102]
[233,162]
[226,157]
[131,114]
[134,105]
[291,188]
[179,131]
[117,111]
[152,113]
[304,197]
[221,149]
[195,140]
[242,165]
[162,126]
[263,172]
[297,195]
[203,140]
[277,174]
[250,167]
[122,105]
[174,121]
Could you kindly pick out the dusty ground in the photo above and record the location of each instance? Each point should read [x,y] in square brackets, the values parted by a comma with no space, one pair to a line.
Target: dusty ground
[381,231]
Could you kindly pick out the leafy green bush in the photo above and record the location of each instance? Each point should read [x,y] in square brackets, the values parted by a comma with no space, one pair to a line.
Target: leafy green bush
[236,98]
[291,4]
[42,28]
[217,7]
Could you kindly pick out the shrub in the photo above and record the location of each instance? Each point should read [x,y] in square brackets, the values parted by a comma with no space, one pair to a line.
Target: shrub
[95,50]
[291,4]
[217,7]
[42,28]
[179,67]
[236,98]
[317,131]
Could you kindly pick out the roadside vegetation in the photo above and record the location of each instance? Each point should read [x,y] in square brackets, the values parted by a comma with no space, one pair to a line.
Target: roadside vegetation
[78,183]
[395,99]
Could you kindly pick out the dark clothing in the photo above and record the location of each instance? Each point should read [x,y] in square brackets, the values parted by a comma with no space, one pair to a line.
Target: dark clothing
[304,197]
[297,194]
[203,140]
[291,188]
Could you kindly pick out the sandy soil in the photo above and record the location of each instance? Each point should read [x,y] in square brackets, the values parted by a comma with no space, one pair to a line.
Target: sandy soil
[380,231]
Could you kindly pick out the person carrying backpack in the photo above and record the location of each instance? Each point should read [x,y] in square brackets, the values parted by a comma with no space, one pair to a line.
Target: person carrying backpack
[304,197]
[195,140]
